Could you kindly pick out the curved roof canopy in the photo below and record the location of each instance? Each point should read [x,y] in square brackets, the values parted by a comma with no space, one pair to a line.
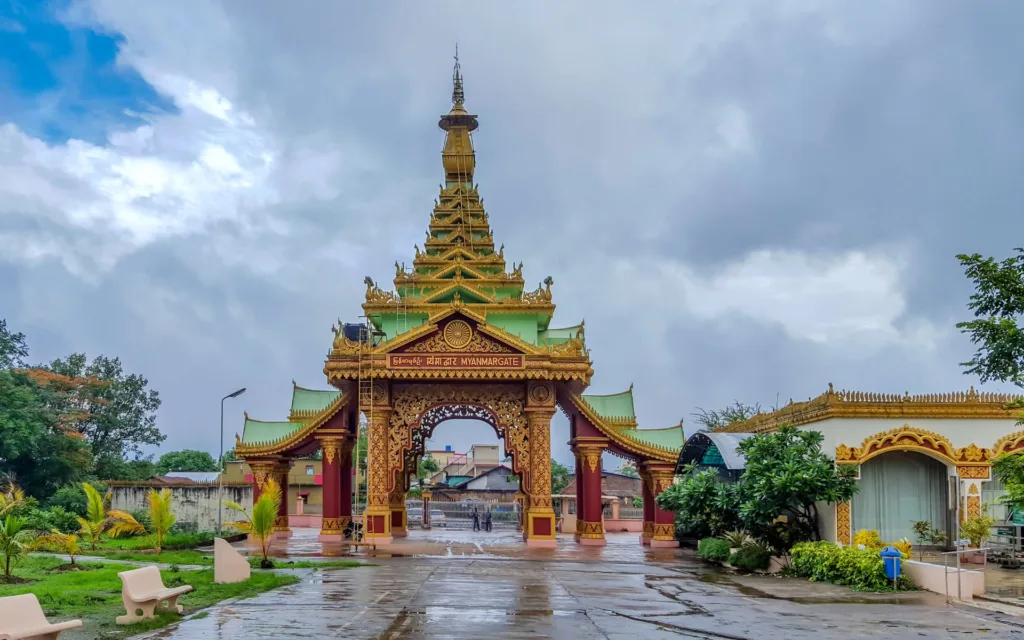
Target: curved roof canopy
[714,449]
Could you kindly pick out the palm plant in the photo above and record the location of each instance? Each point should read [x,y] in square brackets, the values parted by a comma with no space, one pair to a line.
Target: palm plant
[10,497]
[15,542]
[260,525]
[160,517]
[99,519]
[66,543]
[738,539]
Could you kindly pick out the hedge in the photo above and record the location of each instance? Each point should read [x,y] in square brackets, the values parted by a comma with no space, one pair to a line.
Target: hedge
[861,569]
[713,550]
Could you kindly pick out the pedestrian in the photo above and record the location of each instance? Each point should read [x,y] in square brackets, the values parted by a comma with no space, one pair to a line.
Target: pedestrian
[476,520]
[487,520]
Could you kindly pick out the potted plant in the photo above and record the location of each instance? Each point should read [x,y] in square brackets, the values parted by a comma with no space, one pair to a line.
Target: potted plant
[977,531]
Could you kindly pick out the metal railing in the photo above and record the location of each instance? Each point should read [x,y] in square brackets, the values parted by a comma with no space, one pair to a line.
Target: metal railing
[959,572]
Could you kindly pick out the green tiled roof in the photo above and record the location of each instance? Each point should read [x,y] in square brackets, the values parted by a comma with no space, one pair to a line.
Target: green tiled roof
[256,431]
[617,405]
[312,400]
[557,336]
[670,438]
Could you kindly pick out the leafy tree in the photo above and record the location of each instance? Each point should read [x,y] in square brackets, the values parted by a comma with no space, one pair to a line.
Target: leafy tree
[998,327]
[559,476]
[35,447]
[122,415]
[186,460]
[998,305]
[117,468]
[1009,468]
[260,525]
[704,504]
[735,412]
[786,474]
[425,468]
[12,347]
[229,456]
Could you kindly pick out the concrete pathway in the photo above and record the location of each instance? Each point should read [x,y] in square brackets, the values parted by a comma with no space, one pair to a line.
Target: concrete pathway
[621,591]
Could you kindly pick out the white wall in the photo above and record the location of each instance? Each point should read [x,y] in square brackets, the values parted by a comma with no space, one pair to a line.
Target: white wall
[191,504]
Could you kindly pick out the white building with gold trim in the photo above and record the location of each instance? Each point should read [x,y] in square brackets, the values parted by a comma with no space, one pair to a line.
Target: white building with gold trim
[925,457]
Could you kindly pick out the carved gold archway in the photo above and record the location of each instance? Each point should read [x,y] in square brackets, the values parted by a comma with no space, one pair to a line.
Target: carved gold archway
[418,408]
[908,438]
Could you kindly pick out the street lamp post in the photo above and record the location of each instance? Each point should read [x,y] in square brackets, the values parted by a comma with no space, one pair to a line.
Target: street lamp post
[220,476]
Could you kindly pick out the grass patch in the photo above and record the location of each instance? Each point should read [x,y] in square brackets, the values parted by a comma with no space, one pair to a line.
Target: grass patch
[185,557]
[94,594]
[172,541]
[280,563]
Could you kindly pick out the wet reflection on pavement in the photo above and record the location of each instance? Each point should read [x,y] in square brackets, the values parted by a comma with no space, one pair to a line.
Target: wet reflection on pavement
[619,591]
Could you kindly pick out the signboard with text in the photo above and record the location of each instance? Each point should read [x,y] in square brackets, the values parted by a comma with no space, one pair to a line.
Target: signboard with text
[456,361]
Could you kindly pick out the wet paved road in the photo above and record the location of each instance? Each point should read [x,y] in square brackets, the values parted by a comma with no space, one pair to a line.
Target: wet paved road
[618,592]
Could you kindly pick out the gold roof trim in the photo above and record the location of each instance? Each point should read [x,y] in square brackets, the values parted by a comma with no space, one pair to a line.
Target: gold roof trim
[859,404]
[629,444]
[255,449]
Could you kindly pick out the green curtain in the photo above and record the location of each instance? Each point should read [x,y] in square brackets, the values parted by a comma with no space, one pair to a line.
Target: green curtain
[897,489]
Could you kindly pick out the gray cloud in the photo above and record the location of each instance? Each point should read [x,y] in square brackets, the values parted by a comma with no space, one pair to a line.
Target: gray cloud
[641,158]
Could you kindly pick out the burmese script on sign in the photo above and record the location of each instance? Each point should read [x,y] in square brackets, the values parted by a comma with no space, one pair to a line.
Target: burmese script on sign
[456,361]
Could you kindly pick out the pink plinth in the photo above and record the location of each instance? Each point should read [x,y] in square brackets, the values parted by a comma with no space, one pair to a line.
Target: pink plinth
[644,540]
[330,537]
[379,541]
[592,542]
[400,534]
[541,543]
[664,544]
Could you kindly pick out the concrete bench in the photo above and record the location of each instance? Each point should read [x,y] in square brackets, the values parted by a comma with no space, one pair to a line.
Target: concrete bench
[144,593]
[22,618]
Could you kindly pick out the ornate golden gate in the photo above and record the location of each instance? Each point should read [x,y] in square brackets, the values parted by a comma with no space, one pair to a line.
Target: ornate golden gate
[460,337]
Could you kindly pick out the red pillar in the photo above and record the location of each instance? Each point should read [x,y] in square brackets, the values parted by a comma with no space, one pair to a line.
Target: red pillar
[663,533]
[579,495]
[345,486]
[589,520]
[330,523]
[281,528]
[262,470]
[648,506]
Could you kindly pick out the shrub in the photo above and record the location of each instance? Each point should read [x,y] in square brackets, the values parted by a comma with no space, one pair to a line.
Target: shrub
[751,557]
[903,544]
[72,499]
[713,550]
[869,538]
[861,569]
[977,529]
[53,518]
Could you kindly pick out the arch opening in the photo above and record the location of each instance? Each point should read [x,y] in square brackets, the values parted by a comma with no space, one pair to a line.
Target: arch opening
[898,488]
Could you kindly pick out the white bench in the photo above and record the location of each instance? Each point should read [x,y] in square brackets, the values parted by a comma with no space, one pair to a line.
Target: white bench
[142,590]
[22,618]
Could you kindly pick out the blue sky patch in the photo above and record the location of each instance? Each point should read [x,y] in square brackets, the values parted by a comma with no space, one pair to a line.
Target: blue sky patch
[64,82]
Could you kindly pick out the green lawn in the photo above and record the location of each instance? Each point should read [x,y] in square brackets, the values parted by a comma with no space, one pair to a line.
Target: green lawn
[95,595]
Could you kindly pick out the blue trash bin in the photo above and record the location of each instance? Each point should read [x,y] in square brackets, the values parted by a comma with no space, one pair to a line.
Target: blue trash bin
[892,558]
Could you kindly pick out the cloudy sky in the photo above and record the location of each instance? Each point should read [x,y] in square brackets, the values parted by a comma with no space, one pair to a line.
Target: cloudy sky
[745,200]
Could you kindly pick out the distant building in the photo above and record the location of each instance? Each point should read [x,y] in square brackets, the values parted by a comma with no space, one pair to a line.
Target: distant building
[625,488]
[480,459]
